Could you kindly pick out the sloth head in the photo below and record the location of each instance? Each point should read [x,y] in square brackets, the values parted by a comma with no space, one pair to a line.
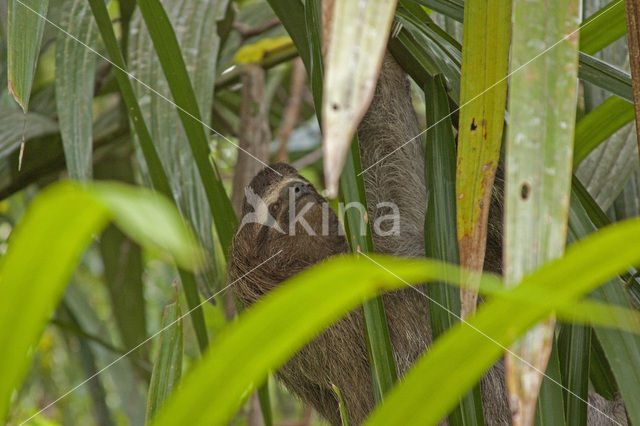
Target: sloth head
[285,217]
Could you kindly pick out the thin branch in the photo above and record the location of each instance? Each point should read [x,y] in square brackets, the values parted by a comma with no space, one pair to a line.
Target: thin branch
[292,110]
[247,32]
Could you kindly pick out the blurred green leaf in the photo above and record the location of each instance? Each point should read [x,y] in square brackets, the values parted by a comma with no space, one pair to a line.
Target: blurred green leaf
[62,220]
[24,36]
[151,220]
[167,368]
[75,67]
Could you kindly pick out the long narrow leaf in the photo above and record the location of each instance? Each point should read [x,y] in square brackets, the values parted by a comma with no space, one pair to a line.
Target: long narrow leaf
[24,36]
[483,94]
[574,344]
[538,175]
[167,368]
[440,235]
[350,78]
[75,66]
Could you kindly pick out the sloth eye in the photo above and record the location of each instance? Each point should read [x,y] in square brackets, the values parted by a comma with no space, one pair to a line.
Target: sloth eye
[273,208]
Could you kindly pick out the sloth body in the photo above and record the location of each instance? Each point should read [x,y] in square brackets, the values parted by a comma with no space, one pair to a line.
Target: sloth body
[339,356]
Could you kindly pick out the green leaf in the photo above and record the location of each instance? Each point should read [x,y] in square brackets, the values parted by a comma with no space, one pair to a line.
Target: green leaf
[273,329]
[152,161]
[454,9]
[427,44]
[24,36]
[173,65]
[441,241]
[343,410]
[265,403]
[62,219]
[599,124]
[16,125]
[483,94]
[167,368]
[350,77]
[605,76]
[542,108]
[600,374]
[574,343]
[603,28]
[75,67]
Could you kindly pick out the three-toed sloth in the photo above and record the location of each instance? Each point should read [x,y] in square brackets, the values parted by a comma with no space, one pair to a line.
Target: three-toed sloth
[339,355]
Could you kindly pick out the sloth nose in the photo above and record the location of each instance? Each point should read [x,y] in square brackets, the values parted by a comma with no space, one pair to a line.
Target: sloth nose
[299,189]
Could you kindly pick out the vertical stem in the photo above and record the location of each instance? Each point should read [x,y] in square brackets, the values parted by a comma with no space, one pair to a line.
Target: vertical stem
[632,11]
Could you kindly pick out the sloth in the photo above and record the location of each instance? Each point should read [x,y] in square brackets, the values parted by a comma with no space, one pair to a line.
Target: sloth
[295,222]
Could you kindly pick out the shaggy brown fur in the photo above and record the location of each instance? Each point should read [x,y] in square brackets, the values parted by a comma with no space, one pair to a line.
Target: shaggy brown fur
[339,355]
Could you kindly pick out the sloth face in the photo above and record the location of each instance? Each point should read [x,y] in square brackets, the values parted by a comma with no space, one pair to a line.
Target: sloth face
[285,212]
